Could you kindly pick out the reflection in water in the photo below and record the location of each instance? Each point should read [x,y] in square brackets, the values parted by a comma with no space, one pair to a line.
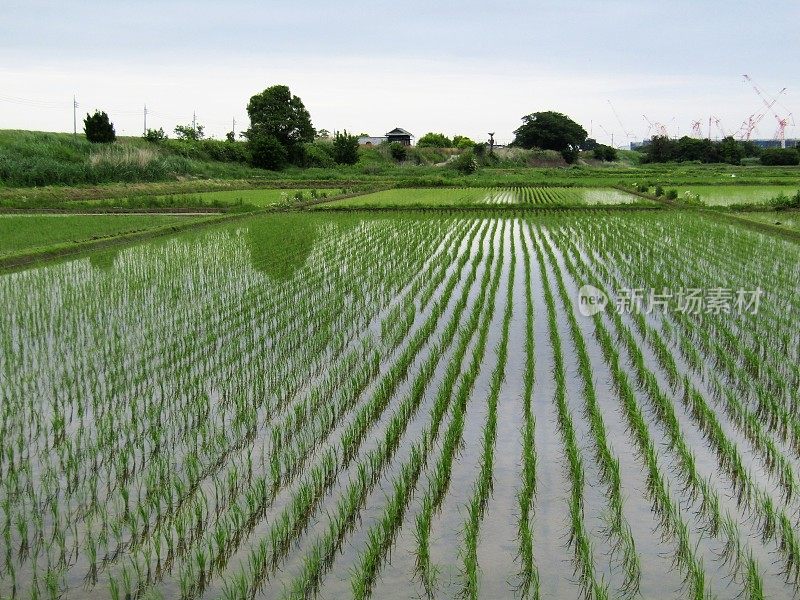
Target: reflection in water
[281,244]
[104,260]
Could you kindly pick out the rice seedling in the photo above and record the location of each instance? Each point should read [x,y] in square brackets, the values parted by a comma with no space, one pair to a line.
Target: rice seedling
[183,418]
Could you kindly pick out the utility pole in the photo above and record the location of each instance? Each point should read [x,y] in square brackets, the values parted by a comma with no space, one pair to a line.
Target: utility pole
[74,116]
[194,121]
[233,130]
[145,120]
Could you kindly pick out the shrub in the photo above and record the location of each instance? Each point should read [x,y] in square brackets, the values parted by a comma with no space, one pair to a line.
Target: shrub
[659,190]
[266,151]
[780,157]
[98,128]
[436,140]
[345,148]
[642,188]
[672,194]
[784,202]
[155,135]
[189,132]
[319,154]
[570,155]
[466,163]
[398,151]
[607,153]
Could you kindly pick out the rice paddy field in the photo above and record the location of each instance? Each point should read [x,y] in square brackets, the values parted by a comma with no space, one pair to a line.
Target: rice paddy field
[24,233]
[457,197]
[403,405]
[786,219]
[726,195]
[260,197]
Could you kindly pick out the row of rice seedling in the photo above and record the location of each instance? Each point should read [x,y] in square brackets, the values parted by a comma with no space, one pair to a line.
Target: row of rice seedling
[440,477]
[320,557]
[483,485]
[191,421]
[381,535]
[579,538]
[293,520]
[528,572]
[618,526]
[732,544]
[535,195]
[758,501]
[730,359]
[134,510]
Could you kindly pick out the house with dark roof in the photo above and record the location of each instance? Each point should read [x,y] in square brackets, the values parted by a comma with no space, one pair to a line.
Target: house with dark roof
[399,135]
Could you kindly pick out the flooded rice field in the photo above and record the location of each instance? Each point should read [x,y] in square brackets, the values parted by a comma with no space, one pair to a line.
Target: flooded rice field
[345,405]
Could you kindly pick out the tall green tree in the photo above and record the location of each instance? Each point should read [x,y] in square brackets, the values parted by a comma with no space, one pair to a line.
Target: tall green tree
[276,114]
[549,131]
[434,140]
[345,148]
[98,128]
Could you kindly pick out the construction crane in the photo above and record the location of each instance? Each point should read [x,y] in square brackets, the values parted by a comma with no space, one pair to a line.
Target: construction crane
[718,124]
[611,135]
[627,133]
[697,130]
[657,128]
[769,103]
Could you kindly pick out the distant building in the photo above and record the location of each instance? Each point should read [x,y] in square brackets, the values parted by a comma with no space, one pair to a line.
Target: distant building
[368,140]
[399,135]
[395,135]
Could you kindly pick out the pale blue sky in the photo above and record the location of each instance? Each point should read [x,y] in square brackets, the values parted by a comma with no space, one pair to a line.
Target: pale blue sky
[457,67]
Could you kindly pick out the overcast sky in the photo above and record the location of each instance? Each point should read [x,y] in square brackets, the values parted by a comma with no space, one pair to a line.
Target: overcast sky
[462,66]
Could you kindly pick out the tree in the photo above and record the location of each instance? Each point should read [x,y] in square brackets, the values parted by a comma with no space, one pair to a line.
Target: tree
[549,131]
[463,142]
[266,151]
[98,128]
[780,156]
[590,144]
[434,140]
[603,152]
[275,113]
[323,134]
[190,132]
[731,151]
[345,148]
[661,149]
[230,136]
[398,151]
[155,135]
[465,163]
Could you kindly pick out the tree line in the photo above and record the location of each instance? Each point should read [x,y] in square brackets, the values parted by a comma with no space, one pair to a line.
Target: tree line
[281,133]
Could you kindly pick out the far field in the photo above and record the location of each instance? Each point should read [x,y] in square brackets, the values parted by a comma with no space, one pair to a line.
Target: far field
[523,196]
[26,233]
[788,220]
[261,198]
[726,195]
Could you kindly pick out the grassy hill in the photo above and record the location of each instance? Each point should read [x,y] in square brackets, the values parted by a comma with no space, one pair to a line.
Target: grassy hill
[33,158]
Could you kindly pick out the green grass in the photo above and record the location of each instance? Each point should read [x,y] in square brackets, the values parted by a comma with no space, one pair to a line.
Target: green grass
[727,195]
[34,158]
[787,219]
[528,196]
[20,234]
[417,197]
[263,197]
